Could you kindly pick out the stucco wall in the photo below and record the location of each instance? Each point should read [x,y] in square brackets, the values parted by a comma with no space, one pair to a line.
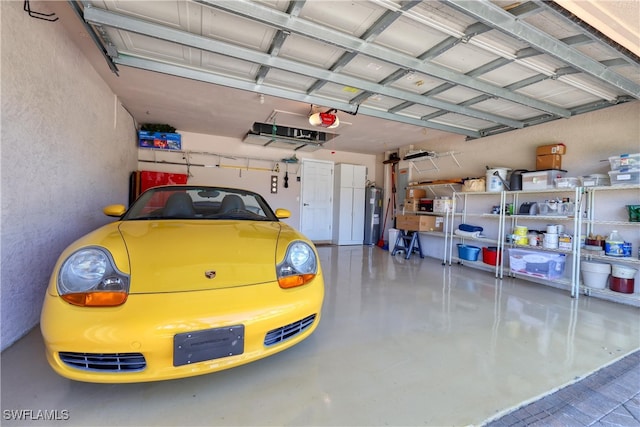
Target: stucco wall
[68,147]
[590,139]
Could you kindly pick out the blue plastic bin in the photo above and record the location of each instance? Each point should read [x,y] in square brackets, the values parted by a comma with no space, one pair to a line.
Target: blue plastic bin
[468,252]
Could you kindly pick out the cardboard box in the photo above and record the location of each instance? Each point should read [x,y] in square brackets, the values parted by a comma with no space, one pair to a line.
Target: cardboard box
[411,205]
[161,140]
[541,180]
[419,223]
[545,150]
[415,193]
[549,161]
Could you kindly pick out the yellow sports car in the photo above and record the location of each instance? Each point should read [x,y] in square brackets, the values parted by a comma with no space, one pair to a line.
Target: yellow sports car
[189,280]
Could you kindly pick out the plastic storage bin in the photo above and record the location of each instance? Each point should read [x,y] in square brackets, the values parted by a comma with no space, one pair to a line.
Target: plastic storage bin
[625,176]
[541,180]
[625,161]
[568,182]
[595,180]
[634,213]
[544,265]
[468,252]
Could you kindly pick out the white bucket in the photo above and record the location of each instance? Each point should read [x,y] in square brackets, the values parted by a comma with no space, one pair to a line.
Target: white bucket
[622,271]
[595,274]
[494,183]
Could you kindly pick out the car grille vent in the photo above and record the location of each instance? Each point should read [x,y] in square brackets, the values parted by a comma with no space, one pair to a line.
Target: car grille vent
[107,362]
[284,333]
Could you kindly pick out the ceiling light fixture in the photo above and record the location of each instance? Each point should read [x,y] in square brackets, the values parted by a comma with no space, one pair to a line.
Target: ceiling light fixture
[326,120]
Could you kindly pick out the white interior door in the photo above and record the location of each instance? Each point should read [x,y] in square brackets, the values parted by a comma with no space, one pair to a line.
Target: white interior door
[316,211]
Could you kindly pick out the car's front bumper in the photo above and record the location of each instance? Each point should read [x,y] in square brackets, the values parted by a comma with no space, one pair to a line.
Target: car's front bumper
[148,325]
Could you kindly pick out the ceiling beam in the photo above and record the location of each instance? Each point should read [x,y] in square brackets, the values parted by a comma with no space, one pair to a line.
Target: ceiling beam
[507,23]
[277,19]
[151,29]
[204,76]
[372,32]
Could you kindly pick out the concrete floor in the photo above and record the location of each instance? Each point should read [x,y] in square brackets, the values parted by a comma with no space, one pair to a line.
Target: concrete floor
[401,342]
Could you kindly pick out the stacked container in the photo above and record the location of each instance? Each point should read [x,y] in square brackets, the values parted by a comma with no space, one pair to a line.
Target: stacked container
[622,278]
[625,169]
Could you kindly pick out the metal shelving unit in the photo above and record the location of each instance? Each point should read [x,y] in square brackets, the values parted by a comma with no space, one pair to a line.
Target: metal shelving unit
[589,216]
[450,189]
[606,210]
[573,220]
[481,214]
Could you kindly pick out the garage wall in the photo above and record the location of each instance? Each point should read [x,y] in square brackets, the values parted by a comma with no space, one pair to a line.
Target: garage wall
[68,148]
[233,163]
[590,138]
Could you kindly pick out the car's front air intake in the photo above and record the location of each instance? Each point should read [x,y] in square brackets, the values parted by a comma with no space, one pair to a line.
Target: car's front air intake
[107,362]
[288,331]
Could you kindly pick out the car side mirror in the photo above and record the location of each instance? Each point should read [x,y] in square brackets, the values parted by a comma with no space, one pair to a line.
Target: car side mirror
[282,213]
[114,210]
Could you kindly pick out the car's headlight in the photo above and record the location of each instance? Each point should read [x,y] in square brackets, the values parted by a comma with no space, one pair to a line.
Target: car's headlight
[299,266]
[89,278]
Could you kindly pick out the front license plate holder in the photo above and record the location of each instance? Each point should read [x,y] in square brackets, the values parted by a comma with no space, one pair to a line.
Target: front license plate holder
[208,344]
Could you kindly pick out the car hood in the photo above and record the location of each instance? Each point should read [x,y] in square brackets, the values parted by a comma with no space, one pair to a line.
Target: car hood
[179,256]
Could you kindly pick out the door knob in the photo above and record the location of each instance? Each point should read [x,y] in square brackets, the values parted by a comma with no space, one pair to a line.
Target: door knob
[305,204]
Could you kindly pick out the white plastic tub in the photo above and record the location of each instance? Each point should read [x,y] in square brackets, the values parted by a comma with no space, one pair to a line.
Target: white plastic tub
[595,180]
[595,274]
[623,271]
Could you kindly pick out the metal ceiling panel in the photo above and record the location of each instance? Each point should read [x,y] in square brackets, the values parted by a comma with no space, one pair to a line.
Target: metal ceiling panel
[630,72]
[416,110]
[417,83]
[310,51]
[464,121]
[502,107]
[336,91]
[464,58]
[368,69]
[558,92]
[233,29]
[550,24]
[470,68]
[173,14]
[224,65]
[288,80]
[136,44]
[457,94]
[350,17]
[508,74]
[409,37]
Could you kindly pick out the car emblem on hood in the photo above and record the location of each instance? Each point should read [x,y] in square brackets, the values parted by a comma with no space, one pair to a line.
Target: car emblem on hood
[210,274]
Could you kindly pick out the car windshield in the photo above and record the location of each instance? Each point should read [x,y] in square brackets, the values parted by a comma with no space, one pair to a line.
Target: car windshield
[195,202]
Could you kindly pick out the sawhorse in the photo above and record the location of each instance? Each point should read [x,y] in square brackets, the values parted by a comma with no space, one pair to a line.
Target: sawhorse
[408,241]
